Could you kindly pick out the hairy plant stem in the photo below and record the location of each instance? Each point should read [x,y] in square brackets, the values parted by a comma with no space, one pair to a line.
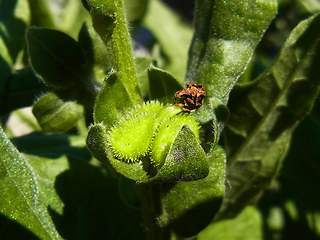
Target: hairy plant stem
[152,210]
[110,22]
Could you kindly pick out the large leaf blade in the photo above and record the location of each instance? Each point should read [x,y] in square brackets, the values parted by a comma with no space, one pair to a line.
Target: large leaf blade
[226,33]
[20,193]
[265,113]
[56,57]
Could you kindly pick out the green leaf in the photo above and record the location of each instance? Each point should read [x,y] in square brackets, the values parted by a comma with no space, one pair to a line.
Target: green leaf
[56,57]
[56,114]
[173,35]
[226,33]
[21,193]
[162,85]
[20,90]
[291,202]
[248,225]
[265,113]
[191,206]
[82,199]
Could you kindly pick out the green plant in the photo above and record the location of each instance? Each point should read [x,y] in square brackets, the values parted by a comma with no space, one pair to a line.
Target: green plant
[163,172]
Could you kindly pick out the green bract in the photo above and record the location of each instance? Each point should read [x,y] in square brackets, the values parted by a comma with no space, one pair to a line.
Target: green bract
[166,133]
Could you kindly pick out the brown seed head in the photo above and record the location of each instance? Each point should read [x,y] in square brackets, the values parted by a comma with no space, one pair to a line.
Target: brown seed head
[191,98]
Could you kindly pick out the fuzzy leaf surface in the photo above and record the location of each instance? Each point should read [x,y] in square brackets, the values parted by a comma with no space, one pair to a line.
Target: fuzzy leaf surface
[21,193]
[226,33]
[265,113]
[108,18]
[190,206]
[74,189]
[56,57]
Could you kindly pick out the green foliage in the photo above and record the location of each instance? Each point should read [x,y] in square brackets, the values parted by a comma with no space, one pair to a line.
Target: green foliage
[267,125]
[116,159]
[23,198]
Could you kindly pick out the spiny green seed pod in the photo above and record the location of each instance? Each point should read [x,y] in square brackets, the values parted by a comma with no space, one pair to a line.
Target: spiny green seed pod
[152,142]
[131,139]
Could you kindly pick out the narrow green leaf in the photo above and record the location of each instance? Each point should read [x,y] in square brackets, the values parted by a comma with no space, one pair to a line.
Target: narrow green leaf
[226,33]
[162,85]
[56,57]
[265,113]
[21,193]
[173,35]
[191,206]
[54,114]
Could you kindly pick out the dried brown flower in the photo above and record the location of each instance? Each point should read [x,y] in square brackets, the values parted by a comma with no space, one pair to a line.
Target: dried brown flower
[191,98]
